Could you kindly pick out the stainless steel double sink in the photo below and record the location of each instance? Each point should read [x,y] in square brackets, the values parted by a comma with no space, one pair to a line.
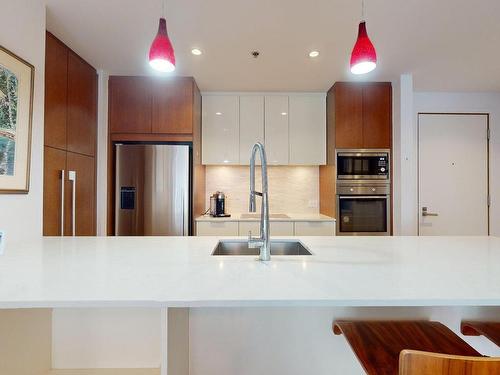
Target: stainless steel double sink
[278,247]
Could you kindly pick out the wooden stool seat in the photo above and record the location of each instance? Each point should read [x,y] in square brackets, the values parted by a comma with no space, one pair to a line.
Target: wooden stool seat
[412,362]
[378,344]
[491,330]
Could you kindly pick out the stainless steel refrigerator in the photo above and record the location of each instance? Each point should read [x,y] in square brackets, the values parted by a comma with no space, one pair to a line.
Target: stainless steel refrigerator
[152,196]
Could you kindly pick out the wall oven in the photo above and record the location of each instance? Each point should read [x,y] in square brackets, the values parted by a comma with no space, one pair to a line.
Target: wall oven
[363,210]
[363,192]
[363,165]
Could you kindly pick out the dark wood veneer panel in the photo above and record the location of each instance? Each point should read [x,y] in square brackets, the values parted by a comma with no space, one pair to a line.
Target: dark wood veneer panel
[56,85]
[130,104]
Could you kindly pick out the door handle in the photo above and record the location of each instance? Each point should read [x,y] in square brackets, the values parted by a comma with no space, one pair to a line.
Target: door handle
[72,178]
[425,213]
[63,173]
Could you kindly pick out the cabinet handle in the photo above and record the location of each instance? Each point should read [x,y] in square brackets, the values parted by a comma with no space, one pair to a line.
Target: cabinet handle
[72,178]
[63,173]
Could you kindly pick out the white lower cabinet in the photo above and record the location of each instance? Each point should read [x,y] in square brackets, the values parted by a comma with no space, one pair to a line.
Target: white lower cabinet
[282,228]
[249,226]
[314,228]
[277,228]
[217,228]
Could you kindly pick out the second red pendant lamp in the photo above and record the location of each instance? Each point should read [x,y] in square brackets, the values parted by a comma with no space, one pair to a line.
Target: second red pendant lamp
[161,53]
[363,55]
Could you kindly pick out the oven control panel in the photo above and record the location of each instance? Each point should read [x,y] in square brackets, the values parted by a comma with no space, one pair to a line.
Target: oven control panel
[363,190]
[382,165]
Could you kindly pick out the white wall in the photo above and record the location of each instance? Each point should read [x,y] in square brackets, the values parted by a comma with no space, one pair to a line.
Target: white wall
[106,338]
[22,31]
[102,152]
[296,340]
[461,103]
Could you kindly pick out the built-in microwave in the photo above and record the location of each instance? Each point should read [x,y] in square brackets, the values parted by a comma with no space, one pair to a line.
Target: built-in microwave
[363,165]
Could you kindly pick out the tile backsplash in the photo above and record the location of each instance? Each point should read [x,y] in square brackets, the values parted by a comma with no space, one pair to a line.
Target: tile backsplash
[293,189]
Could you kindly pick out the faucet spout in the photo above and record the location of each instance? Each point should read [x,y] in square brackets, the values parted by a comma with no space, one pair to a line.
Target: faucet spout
[263,241]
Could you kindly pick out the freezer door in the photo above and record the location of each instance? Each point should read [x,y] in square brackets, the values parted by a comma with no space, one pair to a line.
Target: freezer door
[152,190]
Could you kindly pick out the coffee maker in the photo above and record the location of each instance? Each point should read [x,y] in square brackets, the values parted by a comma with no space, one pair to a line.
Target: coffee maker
[218,204]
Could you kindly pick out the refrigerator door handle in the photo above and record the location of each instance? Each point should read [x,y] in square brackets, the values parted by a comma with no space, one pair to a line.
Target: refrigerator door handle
[72,178]
[183,213]
[63,172]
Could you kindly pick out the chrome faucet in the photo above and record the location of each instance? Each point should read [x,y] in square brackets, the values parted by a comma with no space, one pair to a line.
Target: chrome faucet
[263,241]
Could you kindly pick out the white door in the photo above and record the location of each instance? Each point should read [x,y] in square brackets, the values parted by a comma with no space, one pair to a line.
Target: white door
[453,174]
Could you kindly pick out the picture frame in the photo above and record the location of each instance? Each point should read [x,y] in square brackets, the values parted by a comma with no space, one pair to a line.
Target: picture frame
[16,115]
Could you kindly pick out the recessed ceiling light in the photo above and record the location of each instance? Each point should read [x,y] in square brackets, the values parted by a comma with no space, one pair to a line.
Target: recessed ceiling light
[283,113]
[218,113]
[196,51]
[314,54]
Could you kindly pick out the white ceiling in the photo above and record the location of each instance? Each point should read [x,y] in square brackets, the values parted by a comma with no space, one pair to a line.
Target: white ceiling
[446,44]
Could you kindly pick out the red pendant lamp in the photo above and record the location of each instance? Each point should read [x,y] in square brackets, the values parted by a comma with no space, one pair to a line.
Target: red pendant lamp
[161,53]
[363,55]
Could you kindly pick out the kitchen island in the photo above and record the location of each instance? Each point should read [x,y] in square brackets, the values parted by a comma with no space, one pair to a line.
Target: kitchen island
[181,272]
[167,303]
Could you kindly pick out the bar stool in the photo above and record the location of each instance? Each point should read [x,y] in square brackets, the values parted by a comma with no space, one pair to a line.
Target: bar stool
[378,344]
[490,330]
[413,362]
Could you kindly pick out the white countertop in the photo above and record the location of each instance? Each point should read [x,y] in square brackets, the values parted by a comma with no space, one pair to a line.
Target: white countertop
[291,217]
[179,271]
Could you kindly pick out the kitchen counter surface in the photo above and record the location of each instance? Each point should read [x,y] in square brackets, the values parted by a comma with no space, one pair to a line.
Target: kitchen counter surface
[179,271]
[272,217]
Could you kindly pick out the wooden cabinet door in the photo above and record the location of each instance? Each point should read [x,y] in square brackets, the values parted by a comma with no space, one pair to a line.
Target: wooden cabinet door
[53,166]
[172,105]
[130,104]
[251,125]
[276,129]
[377,115]
[82,106]
[348,115]
[307,129]
[85,194]
[220,129]
[56,73]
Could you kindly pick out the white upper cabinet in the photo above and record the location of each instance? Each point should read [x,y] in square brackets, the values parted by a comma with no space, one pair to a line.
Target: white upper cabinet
[276,129]
[292,128]
[251,125]
[220,129]
[307,129]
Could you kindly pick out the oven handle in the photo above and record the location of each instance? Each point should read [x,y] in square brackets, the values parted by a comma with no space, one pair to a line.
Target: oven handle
[364,196]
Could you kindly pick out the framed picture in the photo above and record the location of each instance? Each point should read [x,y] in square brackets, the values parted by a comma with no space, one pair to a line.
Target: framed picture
[16,107]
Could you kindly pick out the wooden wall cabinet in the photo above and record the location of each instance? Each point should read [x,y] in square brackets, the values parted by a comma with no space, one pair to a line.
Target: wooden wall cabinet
[56,92]
[129,103]
[362,115]
[82,106]
[70,142]
[172,105]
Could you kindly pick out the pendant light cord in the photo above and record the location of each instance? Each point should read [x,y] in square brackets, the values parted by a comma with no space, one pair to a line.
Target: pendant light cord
[362,10]
[164,8]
